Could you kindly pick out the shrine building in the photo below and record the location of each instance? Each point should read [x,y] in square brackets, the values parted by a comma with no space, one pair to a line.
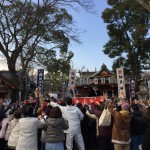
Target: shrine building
[104,79]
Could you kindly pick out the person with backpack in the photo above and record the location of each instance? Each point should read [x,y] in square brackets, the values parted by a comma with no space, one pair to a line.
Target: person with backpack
[137,126]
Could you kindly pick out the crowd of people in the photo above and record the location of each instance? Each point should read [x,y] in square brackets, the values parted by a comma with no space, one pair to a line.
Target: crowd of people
[61,125]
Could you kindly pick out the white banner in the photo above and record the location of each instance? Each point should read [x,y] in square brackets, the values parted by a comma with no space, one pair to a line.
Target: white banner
[132,88]
[102,80]
[121,82]
[110,80]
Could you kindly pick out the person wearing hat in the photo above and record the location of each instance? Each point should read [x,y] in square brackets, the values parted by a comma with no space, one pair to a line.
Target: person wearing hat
[121,127]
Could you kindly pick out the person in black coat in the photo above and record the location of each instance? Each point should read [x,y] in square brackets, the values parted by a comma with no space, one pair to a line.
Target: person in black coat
[94,92]
[146,141]
[138,126]
[88,129]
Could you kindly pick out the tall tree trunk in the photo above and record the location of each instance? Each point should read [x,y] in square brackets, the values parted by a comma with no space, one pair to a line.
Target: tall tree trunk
[12,70]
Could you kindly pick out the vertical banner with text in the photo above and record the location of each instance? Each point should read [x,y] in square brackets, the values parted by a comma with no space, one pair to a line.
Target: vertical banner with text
[64,88]
[40,80]
[132,88]
[121,82]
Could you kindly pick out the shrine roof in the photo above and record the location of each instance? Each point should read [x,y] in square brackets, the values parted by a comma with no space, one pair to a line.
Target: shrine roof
[87,73]
[7,81]
[103,72]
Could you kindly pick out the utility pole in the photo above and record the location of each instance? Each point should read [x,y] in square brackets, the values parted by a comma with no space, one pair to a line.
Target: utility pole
[146,5]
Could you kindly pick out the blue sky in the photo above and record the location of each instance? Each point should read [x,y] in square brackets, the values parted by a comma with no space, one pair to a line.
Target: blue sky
[90,54]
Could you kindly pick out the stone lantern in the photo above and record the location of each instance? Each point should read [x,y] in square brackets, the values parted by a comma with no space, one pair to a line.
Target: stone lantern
[142,93]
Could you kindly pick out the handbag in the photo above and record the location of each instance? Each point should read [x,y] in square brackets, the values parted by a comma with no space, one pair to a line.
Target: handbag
[105,118]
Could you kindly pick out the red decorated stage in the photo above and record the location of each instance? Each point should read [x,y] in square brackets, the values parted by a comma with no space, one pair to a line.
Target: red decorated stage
[87,100]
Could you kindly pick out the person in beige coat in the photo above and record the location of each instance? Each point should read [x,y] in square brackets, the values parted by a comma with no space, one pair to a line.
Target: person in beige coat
[121,127]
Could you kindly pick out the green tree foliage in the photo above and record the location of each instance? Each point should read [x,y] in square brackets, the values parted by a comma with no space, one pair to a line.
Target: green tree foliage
[54,64]
[128,28]
[27,26]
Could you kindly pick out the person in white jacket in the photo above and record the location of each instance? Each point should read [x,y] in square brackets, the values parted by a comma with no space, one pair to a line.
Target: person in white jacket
[74,116]
[13,129]
[28,130]
[3,127]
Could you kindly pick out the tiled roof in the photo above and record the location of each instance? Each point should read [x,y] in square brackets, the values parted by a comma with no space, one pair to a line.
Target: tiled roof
[103,69]
[7,81]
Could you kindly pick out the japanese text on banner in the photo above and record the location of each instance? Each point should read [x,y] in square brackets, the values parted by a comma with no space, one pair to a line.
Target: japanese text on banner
[121,83]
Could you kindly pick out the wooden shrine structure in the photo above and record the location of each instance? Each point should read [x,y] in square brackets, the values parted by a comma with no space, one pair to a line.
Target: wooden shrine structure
[104,79]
